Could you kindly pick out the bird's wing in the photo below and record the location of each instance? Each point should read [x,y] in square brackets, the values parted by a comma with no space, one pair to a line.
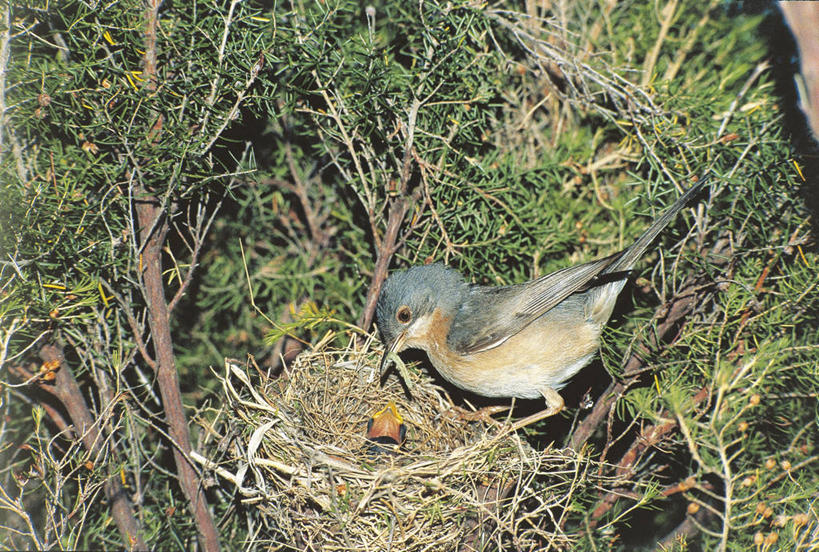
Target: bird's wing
[491,315]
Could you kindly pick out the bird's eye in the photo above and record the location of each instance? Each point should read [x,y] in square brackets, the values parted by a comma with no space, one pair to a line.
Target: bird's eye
[404,315]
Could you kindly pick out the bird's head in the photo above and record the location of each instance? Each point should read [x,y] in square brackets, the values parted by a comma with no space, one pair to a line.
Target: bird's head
[408,300]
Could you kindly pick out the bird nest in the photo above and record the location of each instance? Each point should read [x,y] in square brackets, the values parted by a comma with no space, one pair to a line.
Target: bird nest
[295,449]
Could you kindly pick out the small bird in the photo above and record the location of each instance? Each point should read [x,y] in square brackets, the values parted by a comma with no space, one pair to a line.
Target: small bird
[386,427]
[525,340]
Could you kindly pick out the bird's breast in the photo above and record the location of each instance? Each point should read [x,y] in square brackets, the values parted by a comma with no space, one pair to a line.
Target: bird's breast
[547,353]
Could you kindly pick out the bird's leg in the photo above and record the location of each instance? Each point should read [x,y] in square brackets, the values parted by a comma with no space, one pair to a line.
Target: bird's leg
[483,414]
[554,404]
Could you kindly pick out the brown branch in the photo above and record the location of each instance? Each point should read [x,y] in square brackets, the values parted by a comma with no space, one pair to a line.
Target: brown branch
[652,435]
[68,392]
[148,211]
[398,208]
[149,59]
[399,205]
[186,282]
[153,227]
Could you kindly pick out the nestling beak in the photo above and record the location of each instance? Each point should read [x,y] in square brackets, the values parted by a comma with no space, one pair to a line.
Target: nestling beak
[391,349]
[386,427]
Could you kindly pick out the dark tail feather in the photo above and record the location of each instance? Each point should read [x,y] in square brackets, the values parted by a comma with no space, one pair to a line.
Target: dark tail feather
[633,253]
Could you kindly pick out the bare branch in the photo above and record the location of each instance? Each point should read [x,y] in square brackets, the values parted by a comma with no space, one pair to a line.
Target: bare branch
[233,113]
[153,227]
[398,208]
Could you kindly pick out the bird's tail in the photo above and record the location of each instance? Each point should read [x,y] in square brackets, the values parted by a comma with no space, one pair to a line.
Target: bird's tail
[630,256]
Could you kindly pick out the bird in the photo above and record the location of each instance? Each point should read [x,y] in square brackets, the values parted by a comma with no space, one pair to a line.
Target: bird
[521,341]
[386,427]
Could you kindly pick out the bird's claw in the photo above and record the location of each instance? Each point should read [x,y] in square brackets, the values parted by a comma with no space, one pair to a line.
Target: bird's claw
[483,414]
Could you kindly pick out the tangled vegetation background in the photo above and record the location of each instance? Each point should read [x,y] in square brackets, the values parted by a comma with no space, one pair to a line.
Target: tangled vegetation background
[188,181]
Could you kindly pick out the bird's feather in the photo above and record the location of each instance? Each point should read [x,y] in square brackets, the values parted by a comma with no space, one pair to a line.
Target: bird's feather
[498,313]
[494,314]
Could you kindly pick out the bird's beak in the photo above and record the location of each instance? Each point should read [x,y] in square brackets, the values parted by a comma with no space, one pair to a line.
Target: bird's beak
[391,348]
[387,427]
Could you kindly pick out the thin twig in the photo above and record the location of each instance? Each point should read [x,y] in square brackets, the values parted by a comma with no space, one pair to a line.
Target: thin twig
[758,70]
[136,331]
[199,233]
[233,112]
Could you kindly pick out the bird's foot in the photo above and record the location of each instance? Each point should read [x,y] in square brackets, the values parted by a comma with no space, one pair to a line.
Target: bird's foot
[554,404]
[483,414]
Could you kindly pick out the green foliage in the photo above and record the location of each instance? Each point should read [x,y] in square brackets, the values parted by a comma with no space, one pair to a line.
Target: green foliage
[537,140]
[88,137]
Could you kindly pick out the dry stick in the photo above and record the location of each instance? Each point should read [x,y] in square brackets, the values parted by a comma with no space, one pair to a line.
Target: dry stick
[153,227]
[693,38]
[199,233]
[136,331]
[5,53]
[398,208]
[653,434]
[68,392]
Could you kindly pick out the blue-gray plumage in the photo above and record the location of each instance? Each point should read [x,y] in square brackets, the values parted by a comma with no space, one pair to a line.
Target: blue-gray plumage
[525,340]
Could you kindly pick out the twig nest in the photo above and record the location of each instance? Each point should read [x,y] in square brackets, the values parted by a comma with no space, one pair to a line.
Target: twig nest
[295,449]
